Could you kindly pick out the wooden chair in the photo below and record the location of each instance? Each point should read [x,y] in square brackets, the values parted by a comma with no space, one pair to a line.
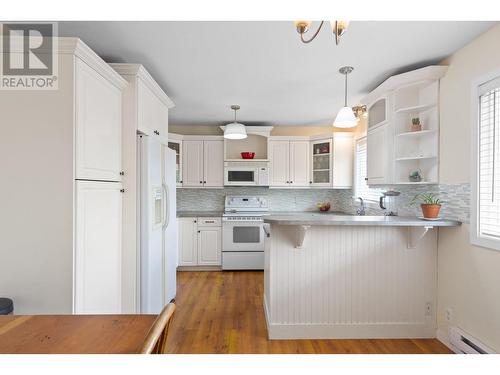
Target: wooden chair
[156,338]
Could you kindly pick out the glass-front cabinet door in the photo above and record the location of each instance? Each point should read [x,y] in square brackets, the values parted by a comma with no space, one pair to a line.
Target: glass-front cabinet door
[321,171]
[176,146]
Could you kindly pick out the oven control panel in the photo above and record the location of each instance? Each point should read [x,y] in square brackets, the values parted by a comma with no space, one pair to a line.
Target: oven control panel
[238,203]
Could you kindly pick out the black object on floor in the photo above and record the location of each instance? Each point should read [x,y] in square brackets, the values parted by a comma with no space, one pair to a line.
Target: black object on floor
[6,306]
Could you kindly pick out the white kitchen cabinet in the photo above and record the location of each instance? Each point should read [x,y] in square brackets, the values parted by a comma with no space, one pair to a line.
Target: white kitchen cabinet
[213,163]
[98,123]
[377,155]
[188,241]
[98,247]
[175,143]
[209,246]
[203,163]
[343,159]
[321,162]
[70,262]
[200,241]
[152,109]
[192,166]
[279,163]
[289,163]
[299,164]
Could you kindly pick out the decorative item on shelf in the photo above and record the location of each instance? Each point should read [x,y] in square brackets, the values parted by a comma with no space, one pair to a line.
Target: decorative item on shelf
[416,126]
[323,206]
[345,118]
[429,203]
[235,130]
[415,176]
[248,155]
[338,27]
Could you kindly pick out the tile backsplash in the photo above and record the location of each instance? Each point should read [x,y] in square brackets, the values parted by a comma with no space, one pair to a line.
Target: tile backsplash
[456,198]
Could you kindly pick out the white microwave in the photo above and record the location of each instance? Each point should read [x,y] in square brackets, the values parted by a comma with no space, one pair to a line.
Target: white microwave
[246,173]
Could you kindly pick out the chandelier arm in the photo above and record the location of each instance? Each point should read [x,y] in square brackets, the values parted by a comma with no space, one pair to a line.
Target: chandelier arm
[314,36]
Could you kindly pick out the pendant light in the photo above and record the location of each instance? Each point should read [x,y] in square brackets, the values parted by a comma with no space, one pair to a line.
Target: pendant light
[235,130]
[345,118]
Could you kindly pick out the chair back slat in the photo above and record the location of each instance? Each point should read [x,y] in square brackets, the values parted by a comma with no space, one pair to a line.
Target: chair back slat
[156,339]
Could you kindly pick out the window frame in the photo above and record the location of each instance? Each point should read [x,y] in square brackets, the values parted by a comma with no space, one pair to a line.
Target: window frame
[475,237]
[368,202]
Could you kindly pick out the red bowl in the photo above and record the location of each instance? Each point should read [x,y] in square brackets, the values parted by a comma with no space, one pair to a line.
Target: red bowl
[248,155]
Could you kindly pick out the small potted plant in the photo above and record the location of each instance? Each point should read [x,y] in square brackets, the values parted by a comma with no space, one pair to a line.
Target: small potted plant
[416,126]
[429,203]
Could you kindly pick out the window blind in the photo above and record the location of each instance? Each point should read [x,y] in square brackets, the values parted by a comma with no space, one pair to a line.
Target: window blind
[361,187]
[489,160]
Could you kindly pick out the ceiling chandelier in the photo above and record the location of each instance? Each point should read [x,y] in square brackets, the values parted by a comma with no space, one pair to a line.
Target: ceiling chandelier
[235,130]
[345,118]
[338,27]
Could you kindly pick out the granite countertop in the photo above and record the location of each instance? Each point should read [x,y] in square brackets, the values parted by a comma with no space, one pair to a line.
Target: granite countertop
[199,213]
[339,219]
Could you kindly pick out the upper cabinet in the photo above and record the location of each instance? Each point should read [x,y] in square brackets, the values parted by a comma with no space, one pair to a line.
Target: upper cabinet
[289,163]
[175,143]
[403,128]
[98,125]
[203,163]
[321,162]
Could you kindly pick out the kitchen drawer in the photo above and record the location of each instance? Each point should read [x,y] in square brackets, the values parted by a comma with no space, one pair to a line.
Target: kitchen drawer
[209,221]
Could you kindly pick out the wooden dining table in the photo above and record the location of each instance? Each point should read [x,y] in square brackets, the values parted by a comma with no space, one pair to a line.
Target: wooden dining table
[73,334]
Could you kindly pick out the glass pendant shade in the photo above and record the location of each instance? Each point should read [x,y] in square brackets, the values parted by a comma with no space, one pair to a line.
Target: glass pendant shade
[235,130]
[345,118]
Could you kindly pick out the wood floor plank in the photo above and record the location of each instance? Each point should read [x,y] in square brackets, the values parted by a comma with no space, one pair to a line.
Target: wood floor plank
[222,312]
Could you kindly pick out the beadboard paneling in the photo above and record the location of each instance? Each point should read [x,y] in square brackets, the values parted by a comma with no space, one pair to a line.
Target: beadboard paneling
[350,282]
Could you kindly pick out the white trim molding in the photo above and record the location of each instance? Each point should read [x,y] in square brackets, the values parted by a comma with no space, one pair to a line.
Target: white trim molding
[475,237]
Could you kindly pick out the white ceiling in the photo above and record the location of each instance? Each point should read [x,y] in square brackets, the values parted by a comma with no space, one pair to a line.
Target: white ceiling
[205,67]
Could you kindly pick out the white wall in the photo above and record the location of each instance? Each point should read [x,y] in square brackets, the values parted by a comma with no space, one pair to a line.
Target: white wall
[36,164]
[468,276]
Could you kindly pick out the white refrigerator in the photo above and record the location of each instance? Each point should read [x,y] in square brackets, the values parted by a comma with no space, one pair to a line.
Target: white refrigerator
[158,224]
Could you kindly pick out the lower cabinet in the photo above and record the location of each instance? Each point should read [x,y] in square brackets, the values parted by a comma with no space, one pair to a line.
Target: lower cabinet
[98,247]
[200,241]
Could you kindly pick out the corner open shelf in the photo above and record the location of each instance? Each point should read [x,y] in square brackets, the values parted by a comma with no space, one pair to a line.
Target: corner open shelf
[416,151]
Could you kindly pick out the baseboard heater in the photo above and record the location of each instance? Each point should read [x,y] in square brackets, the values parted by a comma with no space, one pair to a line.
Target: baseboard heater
[466,344]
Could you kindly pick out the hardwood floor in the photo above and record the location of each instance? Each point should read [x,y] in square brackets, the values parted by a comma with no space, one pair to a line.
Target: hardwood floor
[221,312]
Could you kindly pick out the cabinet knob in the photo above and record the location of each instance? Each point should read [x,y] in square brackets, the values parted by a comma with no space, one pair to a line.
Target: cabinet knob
[201,182]
[310,182]
[195,221]
[204,182]
[122,173]
[180,182]
[291,182]
[366,178]
[199,231]
[122,190]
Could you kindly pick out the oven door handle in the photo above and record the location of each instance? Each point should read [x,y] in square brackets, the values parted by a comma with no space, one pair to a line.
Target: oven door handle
[266,228]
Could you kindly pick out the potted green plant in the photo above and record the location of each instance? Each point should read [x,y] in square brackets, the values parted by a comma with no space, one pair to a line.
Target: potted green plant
[416,126]
[429,203]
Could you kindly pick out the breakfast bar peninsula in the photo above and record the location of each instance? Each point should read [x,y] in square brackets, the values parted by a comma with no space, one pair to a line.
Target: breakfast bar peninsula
[341,276]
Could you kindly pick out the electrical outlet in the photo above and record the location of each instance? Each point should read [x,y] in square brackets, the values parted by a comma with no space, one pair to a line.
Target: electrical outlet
[428,309]
[448,314]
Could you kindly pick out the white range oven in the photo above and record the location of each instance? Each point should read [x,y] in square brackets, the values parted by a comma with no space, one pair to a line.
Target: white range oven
[246,173]
[243,232]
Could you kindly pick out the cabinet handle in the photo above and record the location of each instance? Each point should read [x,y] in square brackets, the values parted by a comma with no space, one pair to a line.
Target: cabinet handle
[122,173]
[366,178]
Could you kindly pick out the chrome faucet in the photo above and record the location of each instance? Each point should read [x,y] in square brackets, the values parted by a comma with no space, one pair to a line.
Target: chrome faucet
[361,209]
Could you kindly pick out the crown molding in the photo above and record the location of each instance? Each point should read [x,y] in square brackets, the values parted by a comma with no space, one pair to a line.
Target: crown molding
[138,70]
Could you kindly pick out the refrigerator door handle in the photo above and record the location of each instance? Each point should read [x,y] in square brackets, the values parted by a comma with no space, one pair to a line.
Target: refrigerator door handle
[166,214]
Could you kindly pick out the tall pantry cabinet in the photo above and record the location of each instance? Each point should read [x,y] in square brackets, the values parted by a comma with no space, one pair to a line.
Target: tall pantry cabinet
[60,153]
